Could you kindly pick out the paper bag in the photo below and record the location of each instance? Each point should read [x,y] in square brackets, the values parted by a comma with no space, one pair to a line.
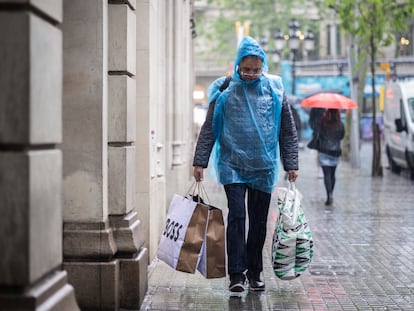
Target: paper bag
[212,262]
[183,234]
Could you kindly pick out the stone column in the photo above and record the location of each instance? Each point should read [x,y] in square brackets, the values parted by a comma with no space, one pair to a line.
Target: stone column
[31,277]
[143,131]
[102,243]
[182,140]
[128,229]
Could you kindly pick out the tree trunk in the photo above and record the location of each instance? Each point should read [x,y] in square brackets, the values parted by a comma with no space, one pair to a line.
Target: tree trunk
[376,141]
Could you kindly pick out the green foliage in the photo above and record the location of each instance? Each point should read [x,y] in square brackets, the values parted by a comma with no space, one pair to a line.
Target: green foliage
[372,24]
[375,20]
[264,17]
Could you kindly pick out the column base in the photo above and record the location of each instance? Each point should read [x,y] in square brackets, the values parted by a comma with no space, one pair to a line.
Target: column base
[96,284]
[120,283]
[50,293]
[134,280]
[107,263]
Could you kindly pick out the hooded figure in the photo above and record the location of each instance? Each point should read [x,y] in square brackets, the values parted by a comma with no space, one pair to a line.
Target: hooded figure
[246,124]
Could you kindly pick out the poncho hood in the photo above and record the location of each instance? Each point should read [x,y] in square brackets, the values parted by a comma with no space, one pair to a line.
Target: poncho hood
[249,47]
[246,124]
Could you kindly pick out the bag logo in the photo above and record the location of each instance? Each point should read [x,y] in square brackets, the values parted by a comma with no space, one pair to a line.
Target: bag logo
[172,229]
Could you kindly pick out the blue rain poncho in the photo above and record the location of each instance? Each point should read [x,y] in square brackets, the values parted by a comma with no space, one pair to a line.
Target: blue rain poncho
[246,125]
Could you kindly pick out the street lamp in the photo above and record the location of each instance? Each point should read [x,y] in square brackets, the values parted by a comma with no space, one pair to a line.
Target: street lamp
[294,40]
[279,39]
[294,44]
[309,41]
[264,43]
[279,42]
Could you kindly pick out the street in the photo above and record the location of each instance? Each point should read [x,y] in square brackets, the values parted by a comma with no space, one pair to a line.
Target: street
[363,250]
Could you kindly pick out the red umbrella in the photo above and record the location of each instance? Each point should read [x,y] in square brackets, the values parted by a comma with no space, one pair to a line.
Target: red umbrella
[328,100]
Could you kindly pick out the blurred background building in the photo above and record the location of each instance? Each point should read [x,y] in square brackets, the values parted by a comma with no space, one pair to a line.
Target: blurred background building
[304,45]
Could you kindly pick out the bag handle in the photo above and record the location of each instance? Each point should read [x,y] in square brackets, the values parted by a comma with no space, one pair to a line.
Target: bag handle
[192,190]
[294,210]
[203,192]
[197,187]
[290,187]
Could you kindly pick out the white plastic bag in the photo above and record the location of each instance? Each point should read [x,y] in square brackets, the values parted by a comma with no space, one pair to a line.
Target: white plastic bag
[292,239]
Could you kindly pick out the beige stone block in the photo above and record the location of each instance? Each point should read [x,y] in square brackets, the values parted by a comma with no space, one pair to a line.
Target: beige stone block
[143,83]
[96,284]
[31,80]
[121,109]
[50,293]
[122,38]
[121,179]
[31,221]
[143,209]
[132,293]
[143,156]
[88,240]
[85,111]
[52,8]
[85,185]
[128,232]
[143,23]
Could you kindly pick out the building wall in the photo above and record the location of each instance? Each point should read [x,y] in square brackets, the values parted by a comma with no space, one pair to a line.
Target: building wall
[164,109]
[95,137]
[30,159]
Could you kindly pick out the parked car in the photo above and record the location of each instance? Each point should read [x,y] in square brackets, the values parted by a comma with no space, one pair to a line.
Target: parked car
[399,125]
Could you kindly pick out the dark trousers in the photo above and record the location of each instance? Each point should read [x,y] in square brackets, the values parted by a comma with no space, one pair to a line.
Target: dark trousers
[329,178]
[246,254]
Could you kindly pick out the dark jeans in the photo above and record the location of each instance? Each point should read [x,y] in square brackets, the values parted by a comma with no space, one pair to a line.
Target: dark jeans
[246,254]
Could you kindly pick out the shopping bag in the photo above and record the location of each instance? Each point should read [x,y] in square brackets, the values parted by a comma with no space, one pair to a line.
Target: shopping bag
[212,263]
[183,233]
[292,239]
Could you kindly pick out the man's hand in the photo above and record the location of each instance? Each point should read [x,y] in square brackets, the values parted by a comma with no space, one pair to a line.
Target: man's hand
[292,175]
[198,173]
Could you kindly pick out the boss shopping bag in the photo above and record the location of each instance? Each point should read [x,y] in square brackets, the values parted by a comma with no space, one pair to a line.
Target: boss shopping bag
[212,262]
[292,239]
[183,233]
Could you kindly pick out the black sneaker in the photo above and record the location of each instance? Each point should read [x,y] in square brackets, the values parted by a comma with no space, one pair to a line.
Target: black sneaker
[237,282]
[236,286]
[256,285]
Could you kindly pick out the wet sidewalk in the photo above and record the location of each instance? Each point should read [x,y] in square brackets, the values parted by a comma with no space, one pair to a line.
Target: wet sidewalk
[363,250]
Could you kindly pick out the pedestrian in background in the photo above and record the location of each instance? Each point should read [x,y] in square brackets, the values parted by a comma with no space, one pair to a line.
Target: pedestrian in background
[315,116]
[331,132]
[247,123]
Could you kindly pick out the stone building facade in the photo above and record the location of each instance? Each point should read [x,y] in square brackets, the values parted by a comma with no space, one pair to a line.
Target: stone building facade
[95,137]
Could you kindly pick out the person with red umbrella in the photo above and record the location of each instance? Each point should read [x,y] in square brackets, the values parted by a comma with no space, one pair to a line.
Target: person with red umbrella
[319,102]
[331,132]
[329,100]
[315,116]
